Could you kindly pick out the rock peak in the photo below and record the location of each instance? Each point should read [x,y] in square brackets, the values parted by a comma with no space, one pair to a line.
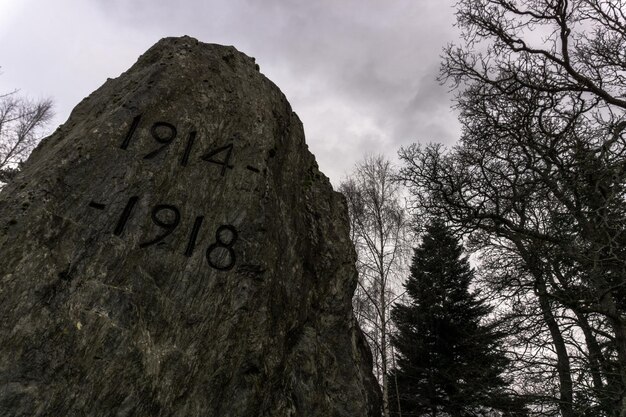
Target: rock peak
[174,250]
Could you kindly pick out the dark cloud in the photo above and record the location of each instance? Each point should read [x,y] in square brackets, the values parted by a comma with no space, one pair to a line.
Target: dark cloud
[360,73]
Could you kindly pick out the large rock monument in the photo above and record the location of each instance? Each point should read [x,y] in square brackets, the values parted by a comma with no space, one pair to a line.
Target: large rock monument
[173,250]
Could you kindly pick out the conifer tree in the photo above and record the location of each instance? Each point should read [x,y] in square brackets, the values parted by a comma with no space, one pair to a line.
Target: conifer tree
[449,360]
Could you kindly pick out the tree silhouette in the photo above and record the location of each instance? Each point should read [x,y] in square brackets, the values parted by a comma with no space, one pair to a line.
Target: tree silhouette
[449,360]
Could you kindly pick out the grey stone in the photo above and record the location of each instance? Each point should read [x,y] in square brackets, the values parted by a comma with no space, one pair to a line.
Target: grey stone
[101,317]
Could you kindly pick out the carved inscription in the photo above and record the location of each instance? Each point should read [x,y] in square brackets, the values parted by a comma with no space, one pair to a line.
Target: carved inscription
[119,228]
[168,226]
[165,134]
[131,132]
[194,235]
[225,238]
[225,163]
[190,140]
[220,254]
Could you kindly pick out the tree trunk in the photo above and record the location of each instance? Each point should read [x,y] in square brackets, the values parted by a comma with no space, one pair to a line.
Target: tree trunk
[597,367]
[609,306]
[395,376]
[620,343]
[383,349]
[563,366]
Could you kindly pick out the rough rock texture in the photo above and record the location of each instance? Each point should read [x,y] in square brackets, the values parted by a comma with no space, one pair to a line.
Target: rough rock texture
[147,270]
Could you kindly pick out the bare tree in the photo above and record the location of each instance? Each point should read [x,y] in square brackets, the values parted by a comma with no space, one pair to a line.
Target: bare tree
[379,227]
[22,123]
[539,177]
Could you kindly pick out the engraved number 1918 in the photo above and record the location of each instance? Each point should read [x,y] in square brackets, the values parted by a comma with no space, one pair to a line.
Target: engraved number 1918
[220,254]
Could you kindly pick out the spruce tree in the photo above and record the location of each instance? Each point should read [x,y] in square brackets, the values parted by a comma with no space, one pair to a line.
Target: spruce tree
[449,360]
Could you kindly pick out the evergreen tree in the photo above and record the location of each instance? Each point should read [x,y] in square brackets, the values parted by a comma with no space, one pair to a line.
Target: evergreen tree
[449,361]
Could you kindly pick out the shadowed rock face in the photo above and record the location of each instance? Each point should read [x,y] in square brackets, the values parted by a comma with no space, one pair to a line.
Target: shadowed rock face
[173,250]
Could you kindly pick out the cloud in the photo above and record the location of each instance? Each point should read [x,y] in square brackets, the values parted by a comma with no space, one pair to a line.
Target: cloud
[359,73]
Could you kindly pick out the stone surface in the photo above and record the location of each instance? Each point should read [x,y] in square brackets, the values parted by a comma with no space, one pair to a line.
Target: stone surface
[243,308]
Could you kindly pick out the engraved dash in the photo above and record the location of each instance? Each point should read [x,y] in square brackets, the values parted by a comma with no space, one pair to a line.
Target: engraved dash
[253,169]
[98,206]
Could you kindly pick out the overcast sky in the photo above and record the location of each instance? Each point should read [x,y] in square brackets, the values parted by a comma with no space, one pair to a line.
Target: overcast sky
[359,73]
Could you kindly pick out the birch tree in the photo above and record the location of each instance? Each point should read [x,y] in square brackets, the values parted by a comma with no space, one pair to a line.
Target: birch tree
[379,227]
[22,124]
